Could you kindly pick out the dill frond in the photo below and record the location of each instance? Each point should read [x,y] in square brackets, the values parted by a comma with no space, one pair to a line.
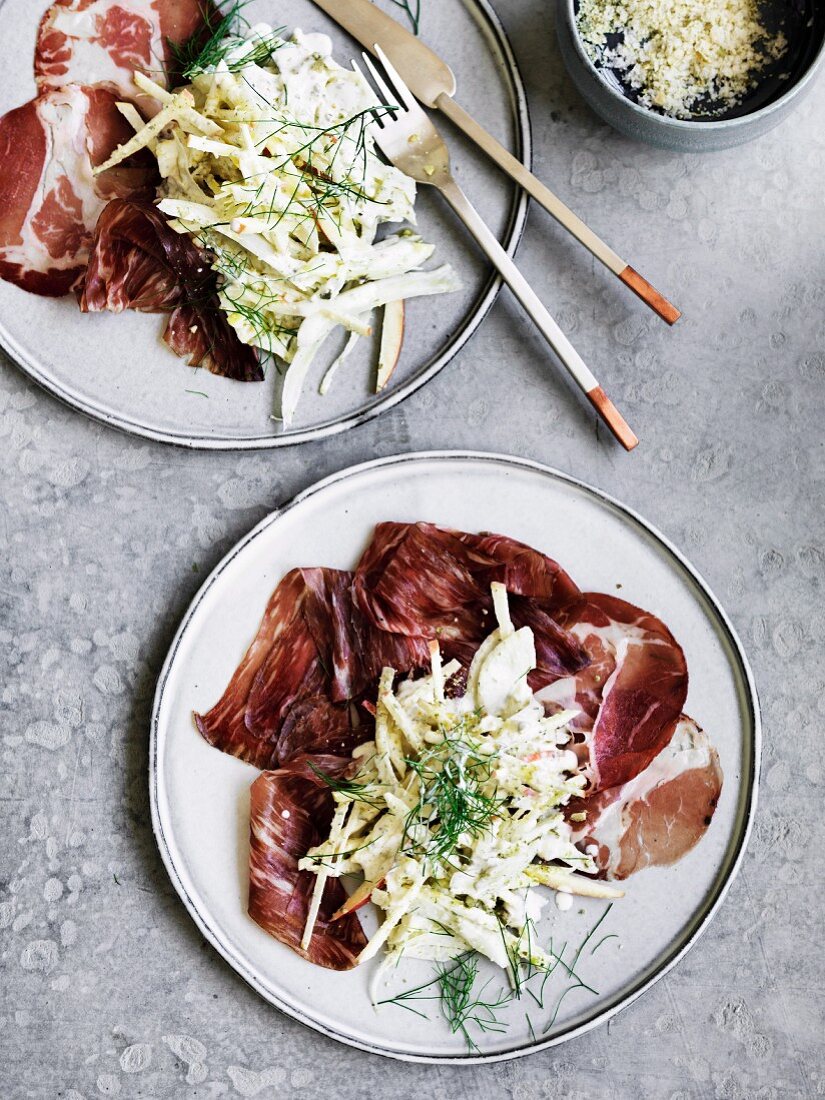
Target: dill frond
[454,777]
[215,40]
[412,9]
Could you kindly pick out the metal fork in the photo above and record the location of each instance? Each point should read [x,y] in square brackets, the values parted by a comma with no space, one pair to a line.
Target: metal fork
[410,141]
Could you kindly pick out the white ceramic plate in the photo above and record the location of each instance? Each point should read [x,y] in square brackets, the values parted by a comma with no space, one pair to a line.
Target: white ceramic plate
[200,796]
[116,368]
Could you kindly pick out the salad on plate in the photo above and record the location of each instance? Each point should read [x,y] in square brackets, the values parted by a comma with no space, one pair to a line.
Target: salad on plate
[448,736]
[236,189]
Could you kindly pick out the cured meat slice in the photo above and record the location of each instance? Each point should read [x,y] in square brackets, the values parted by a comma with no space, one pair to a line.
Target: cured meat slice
[139,262]
[312,655]
[525,571]
[49,199]
[558,652]
[291,811]
[106,41]
[419,579]
[352,650]
[317,726]
[660,815]
[292,672]
[630,694]
[280,668]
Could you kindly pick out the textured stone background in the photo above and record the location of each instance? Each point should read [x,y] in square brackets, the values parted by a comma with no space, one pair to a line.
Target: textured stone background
[105,986]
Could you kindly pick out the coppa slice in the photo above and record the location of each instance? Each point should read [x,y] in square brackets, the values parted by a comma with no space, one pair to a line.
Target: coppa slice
[105,41]
[49,199]
[660,815]
[284,634]
[632,691]
[291,810]
[314,652]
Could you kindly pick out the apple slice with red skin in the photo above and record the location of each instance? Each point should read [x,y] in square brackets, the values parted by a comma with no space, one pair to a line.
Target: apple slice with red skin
[392,339]
[358,899]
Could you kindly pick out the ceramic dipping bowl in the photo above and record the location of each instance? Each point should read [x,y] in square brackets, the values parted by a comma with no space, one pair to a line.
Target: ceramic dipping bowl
[777,91]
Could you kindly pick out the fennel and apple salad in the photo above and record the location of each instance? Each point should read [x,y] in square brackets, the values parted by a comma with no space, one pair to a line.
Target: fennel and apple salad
[267,161]
[454,813]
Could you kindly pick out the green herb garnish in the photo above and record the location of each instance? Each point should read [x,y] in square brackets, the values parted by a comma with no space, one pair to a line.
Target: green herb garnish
[222,27]
[453,776]
[453,986]
[413,12]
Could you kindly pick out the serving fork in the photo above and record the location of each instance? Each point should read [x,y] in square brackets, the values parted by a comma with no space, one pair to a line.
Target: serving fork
[410,141]
[433,83]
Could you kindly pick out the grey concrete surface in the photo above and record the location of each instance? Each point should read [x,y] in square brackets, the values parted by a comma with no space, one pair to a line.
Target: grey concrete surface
[106,988]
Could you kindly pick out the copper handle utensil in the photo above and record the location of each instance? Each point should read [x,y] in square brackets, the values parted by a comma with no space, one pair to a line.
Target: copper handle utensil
[408,139]
[432,82]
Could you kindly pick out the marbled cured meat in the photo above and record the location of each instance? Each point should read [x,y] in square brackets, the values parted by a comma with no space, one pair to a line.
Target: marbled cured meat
[49,199]
[658,816]
[317,726]
[87,52]
[291,810]
[106,41]
[138,262]
[282,655]
[419,579]
[524,571]
[351,649]
[313,656]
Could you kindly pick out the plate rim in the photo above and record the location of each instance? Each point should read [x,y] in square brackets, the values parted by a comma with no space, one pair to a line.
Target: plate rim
[513,233]
[720,890]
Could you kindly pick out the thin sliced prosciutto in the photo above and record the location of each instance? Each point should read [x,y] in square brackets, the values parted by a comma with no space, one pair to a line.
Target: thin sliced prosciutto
[138,262]
[49,200]
[656,818]
[632,691]
[291,810]
[106,41]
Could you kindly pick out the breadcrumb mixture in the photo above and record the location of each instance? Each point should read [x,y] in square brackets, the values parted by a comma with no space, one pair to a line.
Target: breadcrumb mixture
[684,57]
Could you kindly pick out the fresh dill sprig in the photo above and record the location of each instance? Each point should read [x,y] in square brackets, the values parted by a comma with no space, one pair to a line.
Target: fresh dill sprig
[460,1006]
[215,40]
[454,776]
[356,792]
[418,993]
[464,1009]
[578,983]
[453,988]
[413,12]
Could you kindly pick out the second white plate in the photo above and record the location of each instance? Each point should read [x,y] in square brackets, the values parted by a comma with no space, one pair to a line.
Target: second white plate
[116,368]
[200,796]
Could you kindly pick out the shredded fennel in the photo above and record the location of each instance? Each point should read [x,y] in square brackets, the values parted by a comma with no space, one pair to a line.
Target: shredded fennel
[267,160]
[455,810]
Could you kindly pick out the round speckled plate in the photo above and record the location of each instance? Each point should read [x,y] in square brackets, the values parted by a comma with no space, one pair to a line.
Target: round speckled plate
[116,368]
[200,796]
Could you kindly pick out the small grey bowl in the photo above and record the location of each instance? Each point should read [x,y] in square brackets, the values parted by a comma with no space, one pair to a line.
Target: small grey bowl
[770,103]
